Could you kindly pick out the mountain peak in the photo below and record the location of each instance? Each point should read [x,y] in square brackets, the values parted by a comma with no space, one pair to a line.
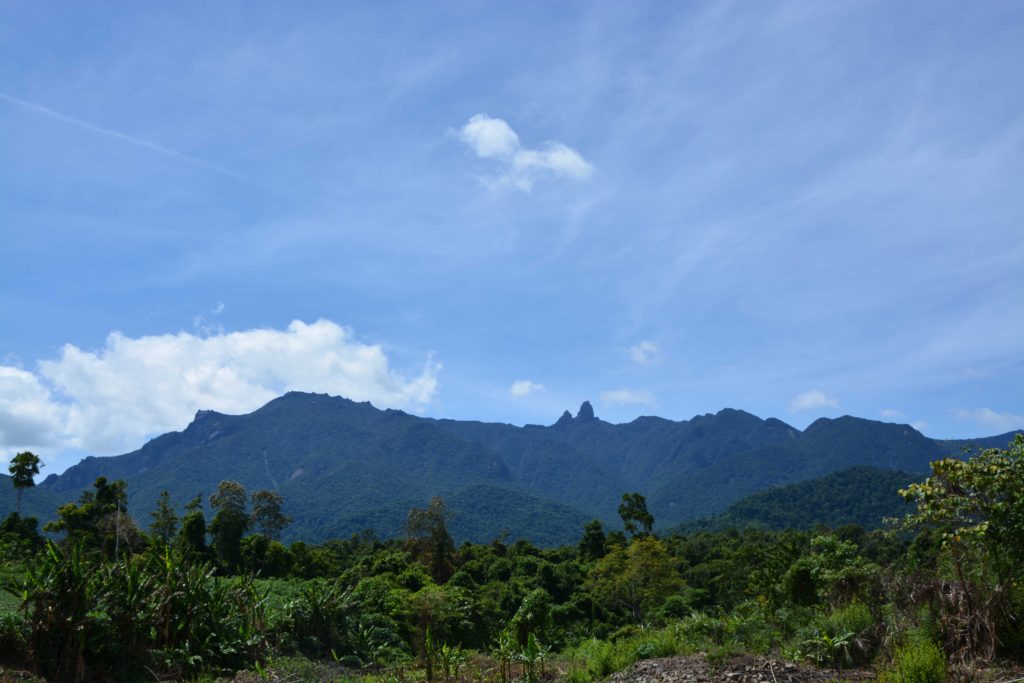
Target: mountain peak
[565,419]
[586,413]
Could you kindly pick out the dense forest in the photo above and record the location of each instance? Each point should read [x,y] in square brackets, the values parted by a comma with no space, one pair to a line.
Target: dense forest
[169,594]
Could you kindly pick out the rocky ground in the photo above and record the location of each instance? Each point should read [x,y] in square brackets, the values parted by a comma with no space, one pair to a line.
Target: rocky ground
[737,669]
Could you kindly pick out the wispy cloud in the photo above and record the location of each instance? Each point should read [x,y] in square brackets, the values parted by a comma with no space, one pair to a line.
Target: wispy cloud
[123,137]
[891,413]
[525,387]
[493,138]
[812,399]
[990,418]
[627,397]
[208,327]
[644,352]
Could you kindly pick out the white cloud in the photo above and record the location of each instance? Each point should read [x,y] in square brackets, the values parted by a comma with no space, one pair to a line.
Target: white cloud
[644,352]
[627,397]
[891,413]
[812,400]
[919,425]
[525,387]
[991,418]
[30,420]
[110,400]
[492,138]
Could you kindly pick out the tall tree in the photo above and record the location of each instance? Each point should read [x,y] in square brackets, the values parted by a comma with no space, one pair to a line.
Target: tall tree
[191,537]
[592,544]
[267,517]
[429,539]
[165,520]
[23,468]
[635,517]
[230,523]
[638,578]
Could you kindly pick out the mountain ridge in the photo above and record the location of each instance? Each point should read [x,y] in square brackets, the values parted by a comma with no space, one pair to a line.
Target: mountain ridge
[343,466]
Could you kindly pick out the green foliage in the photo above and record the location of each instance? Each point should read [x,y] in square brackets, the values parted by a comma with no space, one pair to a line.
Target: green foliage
[429,540]
[637,578]
[977,503]
[635,517]
[832,571]
[267,517]
[99,520]
[23,468]
[19,536]
[919,661]
[191,539]
[229,524]
[841,598]
[533,618]
[592,544]
[976,508]
[861,495]
[265,557]
[165,520]
[89,620]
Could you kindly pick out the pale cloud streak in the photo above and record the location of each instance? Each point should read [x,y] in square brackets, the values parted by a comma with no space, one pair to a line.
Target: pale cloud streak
[493,138]
[109,400]
[525,387]
[644,352]
[123,137]
[812,399]
[990,418]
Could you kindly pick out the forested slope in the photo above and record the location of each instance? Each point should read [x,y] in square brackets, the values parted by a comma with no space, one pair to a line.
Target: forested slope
[344,466]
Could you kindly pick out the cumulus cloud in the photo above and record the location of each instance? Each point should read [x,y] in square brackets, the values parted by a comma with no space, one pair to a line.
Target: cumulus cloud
[492,138]
[30,419]
[109,400]
[525,387]
[991,418]
[644,352]
[812,400]
[627,397]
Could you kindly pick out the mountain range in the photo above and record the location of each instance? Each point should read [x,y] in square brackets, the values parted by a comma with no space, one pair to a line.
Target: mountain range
[344,466]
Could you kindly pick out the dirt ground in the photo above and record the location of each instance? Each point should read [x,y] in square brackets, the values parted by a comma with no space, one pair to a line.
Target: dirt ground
[737,669]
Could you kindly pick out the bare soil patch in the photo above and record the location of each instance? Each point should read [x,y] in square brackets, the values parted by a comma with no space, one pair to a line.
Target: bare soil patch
[736,669]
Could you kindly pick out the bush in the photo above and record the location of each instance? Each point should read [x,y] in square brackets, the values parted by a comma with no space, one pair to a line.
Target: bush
[920,661]
[847,635]
[13,639]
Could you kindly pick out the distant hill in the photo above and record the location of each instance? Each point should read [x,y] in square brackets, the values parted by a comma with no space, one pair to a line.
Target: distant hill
[860,495]
[344,466]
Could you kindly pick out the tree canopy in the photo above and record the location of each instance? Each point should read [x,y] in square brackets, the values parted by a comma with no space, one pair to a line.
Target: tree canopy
[23,468]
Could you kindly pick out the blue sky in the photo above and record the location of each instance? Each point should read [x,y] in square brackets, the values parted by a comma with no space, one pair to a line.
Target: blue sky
[497,210]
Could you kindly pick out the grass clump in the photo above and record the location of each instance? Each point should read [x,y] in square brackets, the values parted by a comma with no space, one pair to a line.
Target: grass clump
[918,661]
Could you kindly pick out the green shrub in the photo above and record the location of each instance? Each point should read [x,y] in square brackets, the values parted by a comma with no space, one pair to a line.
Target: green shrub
[919,661]
[855,617]
[13,638]
[846,636]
